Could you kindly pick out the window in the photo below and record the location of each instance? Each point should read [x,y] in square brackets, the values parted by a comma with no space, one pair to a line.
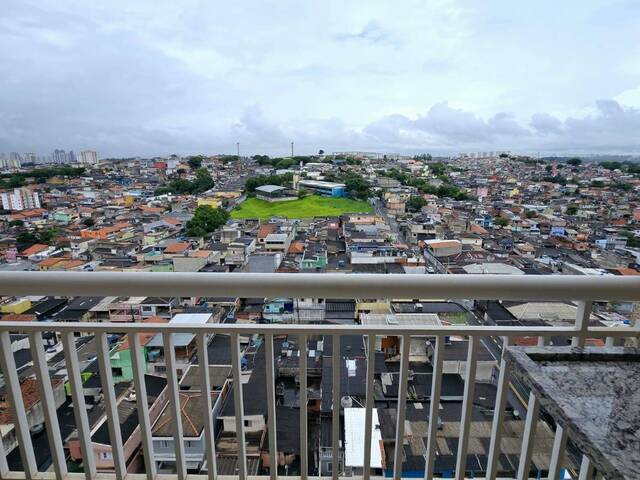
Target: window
[117,372]
[105,456]
[329,467]
[247,423]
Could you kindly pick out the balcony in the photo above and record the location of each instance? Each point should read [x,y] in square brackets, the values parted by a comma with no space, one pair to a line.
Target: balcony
[170,448]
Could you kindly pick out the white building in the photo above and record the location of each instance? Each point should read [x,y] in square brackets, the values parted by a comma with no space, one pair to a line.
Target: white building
[20,199]
[89,157]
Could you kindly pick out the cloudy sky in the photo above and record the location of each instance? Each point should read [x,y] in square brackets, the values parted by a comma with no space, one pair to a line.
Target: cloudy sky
[443,76]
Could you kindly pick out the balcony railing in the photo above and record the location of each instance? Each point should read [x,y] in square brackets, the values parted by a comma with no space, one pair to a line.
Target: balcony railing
[583,290]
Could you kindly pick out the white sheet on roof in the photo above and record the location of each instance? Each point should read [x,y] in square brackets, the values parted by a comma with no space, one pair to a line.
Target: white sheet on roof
[354,438]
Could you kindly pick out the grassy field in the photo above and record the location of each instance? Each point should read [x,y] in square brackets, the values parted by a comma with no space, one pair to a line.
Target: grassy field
[308,207]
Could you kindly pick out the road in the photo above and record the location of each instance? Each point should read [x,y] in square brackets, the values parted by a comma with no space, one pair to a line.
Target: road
[381,211]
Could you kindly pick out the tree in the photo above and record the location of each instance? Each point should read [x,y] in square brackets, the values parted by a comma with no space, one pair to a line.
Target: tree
[195,162]
[502,222]
[16,223]
[625,187]
[206,219]
[415,203]
[181,186]
[597,183]
[89,222]
[575,161]
[320,152]
[548,168]
[611,165]
[26,239]
[531,214]
[572,210]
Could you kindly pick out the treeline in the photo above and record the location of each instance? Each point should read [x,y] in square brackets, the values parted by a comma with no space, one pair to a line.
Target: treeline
[181,186]
[39,175]
[446,190]
[627,166]
[357,186]
[287,162]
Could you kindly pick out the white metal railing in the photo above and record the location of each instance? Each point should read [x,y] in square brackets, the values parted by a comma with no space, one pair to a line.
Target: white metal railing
[584,290]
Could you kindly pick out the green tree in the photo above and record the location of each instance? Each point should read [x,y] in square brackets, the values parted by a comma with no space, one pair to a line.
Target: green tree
[206,219]
[195,161]
[611,165]
[575,161]
[26,239]
[16,223]
[89,222]
[415,203]
[500,221]
[572,210]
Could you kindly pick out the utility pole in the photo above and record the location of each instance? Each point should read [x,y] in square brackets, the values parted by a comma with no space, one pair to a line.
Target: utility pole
[291,149]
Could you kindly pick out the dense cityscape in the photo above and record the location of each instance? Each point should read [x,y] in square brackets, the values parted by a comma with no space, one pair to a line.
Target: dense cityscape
[483,213]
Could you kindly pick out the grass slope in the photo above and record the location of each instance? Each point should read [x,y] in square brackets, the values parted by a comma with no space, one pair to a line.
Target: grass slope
[308,207]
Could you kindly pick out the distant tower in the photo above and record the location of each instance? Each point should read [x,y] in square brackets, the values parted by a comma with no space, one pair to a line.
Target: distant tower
[238,148]
[291,149]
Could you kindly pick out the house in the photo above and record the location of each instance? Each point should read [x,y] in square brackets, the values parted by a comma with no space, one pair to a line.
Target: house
[102,449]
[33,408]
[121,361]
[184,344]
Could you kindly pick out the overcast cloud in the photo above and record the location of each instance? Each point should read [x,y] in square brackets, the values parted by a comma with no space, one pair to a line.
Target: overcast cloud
[444,76]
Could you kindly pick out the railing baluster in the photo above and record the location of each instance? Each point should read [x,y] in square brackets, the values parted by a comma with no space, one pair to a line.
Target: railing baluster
[434,407]
[467,407]
[335,420]
[271,407]
[528,436]
[304,448]
[135,350]
[582,323]
[48,404]
[79,407]
[12,385]
[586,469]
[402,406]
[238,405]
[371,364]
[557,453]
[113,420]
[174,403]
[498,414]
[4,467]
[205,389]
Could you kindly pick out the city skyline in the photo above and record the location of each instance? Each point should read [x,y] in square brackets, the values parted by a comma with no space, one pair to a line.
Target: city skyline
[442,77]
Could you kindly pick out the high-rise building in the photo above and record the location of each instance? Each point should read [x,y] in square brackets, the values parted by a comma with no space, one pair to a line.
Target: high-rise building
[89,157]
[59,156]
[29,158]
[20,199]
[72,157]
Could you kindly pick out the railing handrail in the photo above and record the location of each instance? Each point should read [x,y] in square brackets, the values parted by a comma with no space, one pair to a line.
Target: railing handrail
[309,329]
[329,285]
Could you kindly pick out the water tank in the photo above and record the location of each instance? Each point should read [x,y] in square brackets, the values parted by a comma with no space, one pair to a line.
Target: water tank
[346,402]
